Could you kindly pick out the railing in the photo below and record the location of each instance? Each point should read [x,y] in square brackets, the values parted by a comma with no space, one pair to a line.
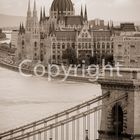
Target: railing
[76,123]
[51,118]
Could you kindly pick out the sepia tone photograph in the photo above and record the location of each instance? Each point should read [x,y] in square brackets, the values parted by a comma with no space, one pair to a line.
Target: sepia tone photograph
[69,70]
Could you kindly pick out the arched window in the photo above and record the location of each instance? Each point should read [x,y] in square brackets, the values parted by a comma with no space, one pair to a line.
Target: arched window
[63,46]
[86,45]
[58,46]
[41,56]
[94,45]
[53,45]
[89,45]
[108,45]
[58,56]
[35,56]
[73,45]
[103,45]
[79,45]
[23,43]
[98,45]
[112,45]
[35,44]
[53,56]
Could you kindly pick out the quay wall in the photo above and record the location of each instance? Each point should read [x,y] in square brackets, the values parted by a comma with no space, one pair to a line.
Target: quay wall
[59,77]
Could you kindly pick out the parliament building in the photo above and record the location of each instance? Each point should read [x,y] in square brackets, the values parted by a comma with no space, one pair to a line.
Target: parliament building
[46,39]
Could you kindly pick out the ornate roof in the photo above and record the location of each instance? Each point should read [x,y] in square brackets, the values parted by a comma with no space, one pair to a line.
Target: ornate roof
[62,5]
[66,35]
[73,20]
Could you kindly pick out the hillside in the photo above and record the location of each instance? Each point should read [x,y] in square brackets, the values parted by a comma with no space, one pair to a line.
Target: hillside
[10,21]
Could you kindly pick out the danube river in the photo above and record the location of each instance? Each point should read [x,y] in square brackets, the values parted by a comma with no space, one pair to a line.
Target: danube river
[23,100]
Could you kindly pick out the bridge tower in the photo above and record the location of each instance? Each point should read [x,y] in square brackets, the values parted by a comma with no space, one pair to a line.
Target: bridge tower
[121,119]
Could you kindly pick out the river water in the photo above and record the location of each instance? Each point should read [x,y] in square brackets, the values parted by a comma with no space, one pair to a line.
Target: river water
[23,99]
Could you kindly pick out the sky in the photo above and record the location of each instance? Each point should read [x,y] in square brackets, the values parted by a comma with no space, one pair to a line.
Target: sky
[117,10]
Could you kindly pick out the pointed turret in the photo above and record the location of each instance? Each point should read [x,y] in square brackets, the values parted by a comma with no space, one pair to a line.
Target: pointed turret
[34,5]
[112,26]
[108,26]
[85,17]
[34,10]
[29,7]
[20,28]
[29,10]
[29,17]
[44,13]
[41,16]
[81,11]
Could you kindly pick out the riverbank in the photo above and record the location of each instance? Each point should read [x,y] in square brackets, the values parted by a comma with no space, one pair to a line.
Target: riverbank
[24,100]
[60,77]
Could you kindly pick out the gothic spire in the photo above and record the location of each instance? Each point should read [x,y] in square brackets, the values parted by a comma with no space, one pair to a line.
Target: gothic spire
[85,17]
[29,7]
[29,10]
[34,10]
[20,28]
[81,11]
[34,5]
[44,14]
[41,15]
[112,26]
[108,26]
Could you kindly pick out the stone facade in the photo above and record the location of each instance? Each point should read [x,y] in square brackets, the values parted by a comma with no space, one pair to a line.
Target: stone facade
[14,38]
[47,39]
[127,87]
[127,50]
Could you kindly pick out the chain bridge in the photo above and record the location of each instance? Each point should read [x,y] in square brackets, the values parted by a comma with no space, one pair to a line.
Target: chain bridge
[111,116]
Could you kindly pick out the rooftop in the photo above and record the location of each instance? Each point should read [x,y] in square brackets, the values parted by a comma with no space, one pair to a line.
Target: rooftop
[65,35]
[73,20]
[130,34]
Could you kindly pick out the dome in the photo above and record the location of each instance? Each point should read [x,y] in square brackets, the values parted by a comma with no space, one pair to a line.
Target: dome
[62,5]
